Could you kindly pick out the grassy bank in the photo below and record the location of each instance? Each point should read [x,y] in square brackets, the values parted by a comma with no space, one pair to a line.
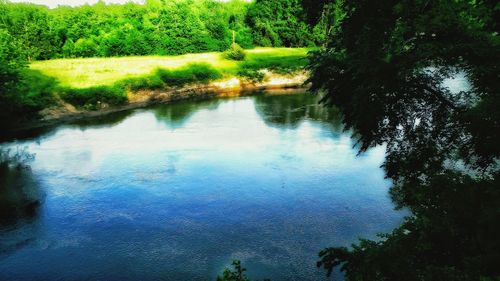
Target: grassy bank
[87,83]
[95,72]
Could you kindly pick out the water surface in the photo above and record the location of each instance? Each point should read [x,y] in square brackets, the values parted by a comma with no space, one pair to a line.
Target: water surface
[175,192]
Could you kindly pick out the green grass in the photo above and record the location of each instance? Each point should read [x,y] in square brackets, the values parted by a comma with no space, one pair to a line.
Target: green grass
[94,72]
[279,60]
[87,83]
[195,72]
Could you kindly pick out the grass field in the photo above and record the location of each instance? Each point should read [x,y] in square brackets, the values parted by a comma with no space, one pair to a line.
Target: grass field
[91,82]
[98,72]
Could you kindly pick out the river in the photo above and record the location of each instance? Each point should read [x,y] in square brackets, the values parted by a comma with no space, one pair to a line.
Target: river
[175,192]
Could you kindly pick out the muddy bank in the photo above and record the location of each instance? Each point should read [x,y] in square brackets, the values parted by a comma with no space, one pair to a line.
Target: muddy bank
[230,87]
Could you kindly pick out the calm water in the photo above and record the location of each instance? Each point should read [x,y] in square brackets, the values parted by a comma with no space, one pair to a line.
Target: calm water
[175,192]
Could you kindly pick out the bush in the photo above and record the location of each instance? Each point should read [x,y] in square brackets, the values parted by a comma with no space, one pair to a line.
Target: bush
[235,52]
[90,98]
[142,83]
[196,72]
[36,90]
[277,63]
[254,76]
[20,102]
[204,72]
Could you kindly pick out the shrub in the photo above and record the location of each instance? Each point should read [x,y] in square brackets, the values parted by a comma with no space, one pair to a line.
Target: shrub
[35,90]
[204,72]
[142,83]
[31,93]
[280,63]
[90,98]
[252,75]
[235,52]
[196,72]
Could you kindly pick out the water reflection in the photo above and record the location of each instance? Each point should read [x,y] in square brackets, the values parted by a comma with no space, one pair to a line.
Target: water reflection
[290,110]
[20,199]
[100,121]
[40,133]
[176,115]
[174,192]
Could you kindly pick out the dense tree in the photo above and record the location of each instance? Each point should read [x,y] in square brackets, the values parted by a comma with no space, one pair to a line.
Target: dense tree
[388,70]
[20,95]
[30,25]
[12,61]
[279,23]
[158,27]
[314,9]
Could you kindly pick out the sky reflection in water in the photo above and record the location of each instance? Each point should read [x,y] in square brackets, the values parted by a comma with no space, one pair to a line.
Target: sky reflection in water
[175,192]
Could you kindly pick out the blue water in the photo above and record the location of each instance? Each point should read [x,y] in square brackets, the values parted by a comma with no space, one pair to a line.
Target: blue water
[175,192]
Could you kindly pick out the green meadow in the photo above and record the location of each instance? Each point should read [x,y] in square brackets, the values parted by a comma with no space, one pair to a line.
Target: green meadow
[94,72]
[86,82]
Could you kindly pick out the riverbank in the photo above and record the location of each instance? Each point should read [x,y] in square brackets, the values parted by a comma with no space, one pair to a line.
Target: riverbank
[87,73]
[63,112]
[68,89]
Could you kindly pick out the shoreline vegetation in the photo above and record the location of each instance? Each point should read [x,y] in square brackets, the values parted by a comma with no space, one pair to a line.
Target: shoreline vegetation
[72,89]
[93,56]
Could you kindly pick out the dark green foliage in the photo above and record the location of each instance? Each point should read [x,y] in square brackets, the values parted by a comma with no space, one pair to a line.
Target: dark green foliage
[93,98]
[23,92]
[11,63]
[36,90]
[386,70]
[451,240]
[314,9]
[192,73]
[237,274]
[253,68]
[278,63]
[149,82]
[277,23]
[12,59]
[235,52]
[254,76]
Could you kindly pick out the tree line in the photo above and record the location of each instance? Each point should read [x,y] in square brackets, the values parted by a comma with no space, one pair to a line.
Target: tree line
[158,27]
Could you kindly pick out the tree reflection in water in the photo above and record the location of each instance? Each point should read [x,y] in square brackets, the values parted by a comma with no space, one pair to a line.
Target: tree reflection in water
[290,110]
[20,200]
[176,115]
